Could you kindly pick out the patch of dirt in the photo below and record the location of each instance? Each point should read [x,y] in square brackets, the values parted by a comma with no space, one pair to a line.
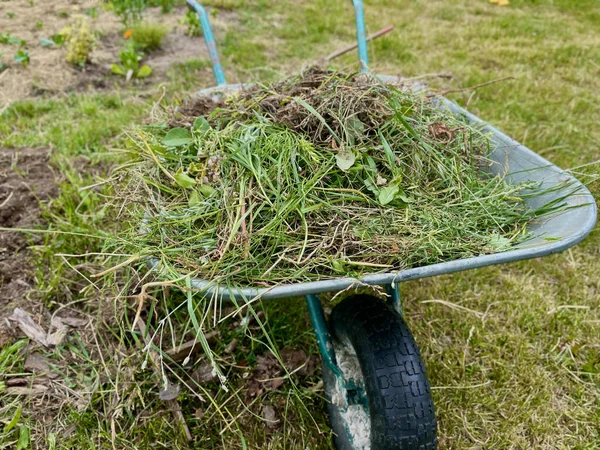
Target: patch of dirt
[48,70]
[25,180]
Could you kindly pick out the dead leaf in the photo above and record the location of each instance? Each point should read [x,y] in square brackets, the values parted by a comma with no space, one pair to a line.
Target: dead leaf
[29,327]
[270,416]
[204,374]
[18,381]
[58,337]
[38,364]
[297,361]
[170,392]
[199,413]
[441,132]
[33,390]
[70,321]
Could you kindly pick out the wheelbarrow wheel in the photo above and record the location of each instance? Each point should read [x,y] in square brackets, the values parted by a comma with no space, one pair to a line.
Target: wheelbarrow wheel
[389,404]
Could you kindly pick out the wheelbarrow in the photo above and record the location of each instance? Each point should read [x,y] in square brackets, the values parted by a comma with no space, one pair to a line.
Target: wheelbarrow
[375,381]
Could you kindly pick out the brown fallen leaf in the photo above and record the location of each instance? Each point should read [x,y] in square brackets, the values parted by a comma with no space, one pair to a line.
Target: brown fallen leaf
[204,374]
[170,392]
[33,390]
[441,132]
[18,381]
[296,361]
[270,416]
[38,364]
[31,329]
[57,337]
[70,321]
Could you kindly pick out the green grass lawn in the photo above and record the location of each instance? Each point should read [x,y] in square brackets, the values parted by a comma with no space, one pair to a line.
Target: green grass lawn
[512,352]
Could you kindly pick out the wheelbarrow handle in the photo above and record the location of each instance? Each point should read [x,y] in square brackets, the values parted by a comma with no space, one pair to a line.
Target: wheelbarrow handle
[361,37]
[210,41]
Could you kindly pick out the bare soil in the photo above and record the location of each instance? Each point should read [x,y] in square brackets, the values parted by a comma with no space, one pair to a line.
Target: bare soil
[48,70]
[25,181]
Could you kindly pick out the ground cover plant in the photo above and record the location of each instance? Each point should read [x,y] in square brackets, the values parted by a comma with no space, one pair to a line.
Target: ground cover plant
[512,351]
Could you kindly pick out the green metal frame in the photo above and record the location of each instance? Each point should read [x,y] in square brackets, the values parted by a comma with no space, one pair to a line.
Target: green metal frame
[317,318]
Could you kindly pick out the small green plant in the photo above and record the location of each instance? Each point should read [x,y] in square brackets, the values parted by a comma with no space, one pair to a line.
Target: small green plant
[129,11]
[7,38]
[92,12]
[192,22]
[39,25]
[148,36]
[166,6]
[11,15]
[22,57]
[79,41]
[130,64]
[54,41]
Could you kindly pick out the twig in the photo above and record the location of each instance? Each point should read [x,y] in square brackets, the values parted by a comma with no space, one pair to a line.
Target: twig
[353,46]
[7,199]
[188,348]
[173,404]
[477,86]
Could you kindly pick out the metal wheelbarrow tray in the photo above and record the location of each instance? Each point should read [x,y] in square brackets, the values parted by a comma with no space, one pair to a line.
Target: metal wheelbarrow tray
[374,379]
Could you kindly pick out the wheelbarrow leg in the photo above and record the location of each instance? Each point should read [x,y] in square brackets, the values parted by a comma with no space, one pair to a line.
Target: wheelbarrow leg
[393,291]
[323,339]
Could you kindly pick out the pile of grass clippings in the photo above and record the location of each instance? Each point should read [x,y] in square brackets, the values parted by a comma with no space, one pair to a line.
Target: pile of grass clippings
[321,175]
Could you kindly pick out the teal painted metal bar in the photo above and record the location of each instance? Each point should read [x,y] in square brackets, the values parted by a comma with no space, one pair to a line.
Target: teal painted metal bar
[393,291]
[361,35]
[323,339]
[210,42]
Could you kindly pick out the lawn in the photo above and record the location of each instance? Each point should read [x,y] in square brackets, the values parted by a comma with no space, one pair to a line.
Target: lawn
[512,352]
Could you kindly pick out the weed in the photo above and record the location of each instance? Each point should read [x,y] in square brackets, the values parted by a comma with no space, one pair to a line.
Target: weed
[130,63]
[10,15]
[192,22]
[129,11]
[91,12]
[148,36]
[166,6]
[7,38]
[39,25]
[22,57]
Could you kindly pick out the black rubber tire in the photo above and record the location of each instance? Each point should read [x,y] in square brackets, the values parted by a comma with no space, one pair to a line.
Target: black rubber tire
[399,396]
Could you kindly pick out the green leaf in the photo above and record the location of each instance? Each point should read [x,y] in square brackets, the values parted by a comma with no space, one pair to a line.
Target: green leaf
[345,159]
[177,137]
[118,70]
[201,124]
[58,39]
[184,180]
[206,190]
[355,126]
[389,154]
[14,421]
[47,42]
[388,194]
[23,441]
[145,71]
[194,199]
[22,57]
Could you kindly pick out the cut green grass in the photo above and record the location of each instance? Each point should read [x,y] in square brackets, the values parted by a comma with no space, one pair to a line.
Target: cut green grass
[519,370]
